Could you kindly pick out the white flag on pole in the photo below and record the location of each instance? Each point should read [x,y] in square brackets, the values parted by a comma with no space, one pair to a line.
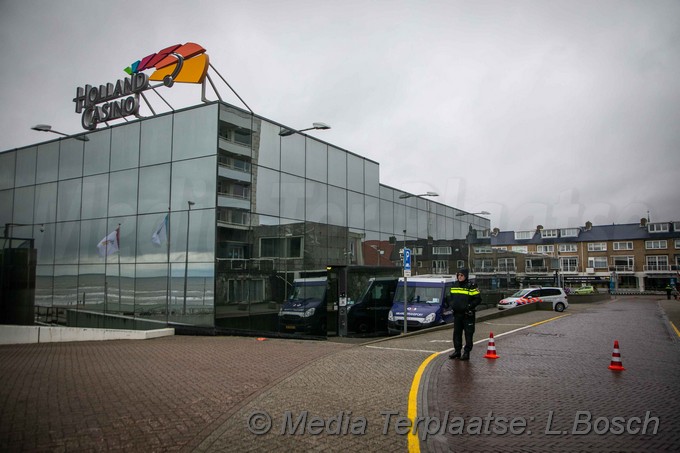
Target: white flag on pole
[160,234]
[110,244]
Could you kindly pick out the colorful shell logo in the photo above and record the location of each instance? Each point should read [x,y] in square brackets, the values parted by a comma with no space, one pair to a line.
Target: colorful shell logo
[186,63]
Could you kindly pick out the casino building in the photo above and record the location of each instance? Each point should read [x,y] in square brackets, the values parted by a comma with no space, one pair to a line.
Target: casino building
[251,205]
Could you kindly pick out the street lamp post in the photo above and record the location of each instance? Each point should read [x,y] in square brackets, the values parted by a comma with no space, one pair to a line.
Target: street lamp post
[186,259]
[321,126]
[48,128]
[403,197]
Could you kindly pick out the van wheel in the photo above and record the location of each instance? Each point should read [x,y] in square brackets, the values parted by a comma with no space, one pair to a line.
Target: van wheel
[559,307]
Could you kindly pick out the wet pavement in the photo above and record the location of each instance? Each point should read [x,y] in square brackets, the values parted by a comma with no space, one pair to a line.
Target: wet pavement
[239,394]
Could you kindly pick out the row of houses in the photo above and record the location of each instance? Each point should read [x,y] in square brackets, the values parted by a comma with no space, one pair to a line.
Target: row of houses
[637,256]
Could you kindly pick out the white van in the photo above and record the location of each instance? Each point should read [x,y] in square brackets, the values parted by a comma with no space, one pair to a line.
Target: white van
[528,295]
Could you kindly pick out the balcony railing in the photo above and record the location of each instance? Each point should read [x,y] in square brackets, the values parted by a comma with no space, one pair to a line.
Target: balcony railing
[657,268]
[622,268]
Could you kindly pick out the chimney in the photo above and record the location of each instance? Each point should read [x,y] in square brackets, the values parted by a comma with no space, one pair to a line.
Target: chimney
[643,222]
[495,232]
[589,225]
[539,228]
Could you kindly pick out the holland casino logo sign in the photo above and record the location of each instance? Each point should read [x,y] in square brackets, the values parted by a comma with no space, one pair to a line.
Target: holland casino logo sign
[186,63]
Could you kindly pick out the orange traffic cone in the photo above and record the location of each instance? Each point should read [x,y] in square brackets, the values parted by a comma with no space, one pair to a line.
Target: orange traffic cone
[616,364]
[491,349]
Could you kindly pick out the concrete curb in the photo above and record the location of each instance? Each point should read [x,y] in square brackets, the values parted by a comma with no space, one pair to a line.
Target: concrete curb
[49,334]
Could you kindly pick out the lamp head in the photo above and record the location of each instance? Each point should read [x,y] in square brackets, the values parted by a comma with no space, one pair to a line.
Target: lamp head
[42,127]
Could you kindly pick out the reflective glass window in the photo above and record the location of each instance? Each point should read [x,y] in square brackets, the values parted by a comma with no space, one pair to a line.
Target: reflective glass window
[267,151]
[7,164]
[356,209]
[194,180]
[153,195]
[70,159]
[151,299]
[65,289]
[372,218]
[156,141]
[355,173]
[46,203]
[267,189]
[371,178]
[317,160]
[92,287]
[125,146]
[47,162]
[23,204]
[123,193]
[67,247]
[25,173]
[149,251]
[293,154]
[337,206]
[44,243]
[95,196]
[201,236]
[68,199]
[387,217]
[386,193]
[43,288]
[128,238]
[337,165]
[292,197]
[91,232]
[317,202]
[195,133]
[97,153]
[7,202]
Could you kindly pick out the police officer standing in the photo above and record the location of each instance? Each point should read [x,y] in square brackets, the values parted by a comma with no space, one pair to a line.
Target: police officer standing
[463,300]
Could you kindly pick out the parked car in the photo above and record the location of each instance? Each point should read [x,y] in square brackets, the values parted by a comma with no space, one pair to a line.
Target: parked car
[586,289]
[529,295]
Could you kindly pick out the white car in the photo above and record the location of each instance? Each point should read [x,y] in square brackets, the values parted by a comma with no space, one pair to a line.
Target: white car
[530,295]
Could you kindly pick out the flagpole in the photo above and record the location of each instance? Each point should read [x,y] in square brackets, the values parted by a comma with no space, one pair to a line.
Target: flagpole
[167,283]
[118,240]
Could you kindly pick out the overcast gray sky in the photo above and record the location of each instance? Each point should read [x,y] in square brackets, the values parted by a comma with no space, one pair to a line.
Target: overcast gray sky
[540,112]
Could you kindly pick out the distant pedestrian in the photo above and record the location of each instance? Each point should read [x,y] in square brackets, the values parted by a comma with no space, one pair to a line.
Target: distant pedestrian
[463,300]
[669,289]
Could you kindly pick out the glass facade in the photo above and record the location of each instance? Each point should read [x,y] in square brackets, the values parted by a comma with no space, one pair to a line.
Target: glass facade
[250,213]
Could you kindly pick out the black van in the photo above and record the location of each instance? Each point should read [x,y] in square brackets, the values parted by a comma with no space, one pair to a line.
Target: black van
[369,313]
[305,310]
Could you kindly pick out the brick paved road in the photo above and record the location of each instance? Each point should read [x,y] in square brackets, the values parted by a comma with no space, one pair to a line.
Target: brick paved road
[197,393]
[549,373]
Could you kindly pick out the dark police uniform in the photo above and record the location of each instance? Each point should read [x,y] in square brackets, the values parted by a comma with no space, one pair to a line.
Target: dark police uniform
[463,299]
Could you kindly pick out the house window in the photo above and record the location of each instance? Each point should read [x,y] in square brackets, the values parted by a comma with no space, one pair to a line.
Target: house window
[520,248]
[569,232]
[623,246]
[482,234]
[598,262]
[567,247]
[545,249]
[656,263]
[656,245]
[549,233]
[484,265]
[520,235]
[623,263]
[500,249]
[440,266]
[657,228]
[597,246]
[536,265]
[480,250]
[677,243]
[288,247]
[506,264]
[460,264]
[569,264]
[441,250]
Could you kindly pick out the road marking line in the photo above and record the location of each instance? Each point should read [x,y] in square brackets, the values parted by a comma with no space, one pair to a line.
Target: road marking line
[412,413]
[677,332]
[403,349]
